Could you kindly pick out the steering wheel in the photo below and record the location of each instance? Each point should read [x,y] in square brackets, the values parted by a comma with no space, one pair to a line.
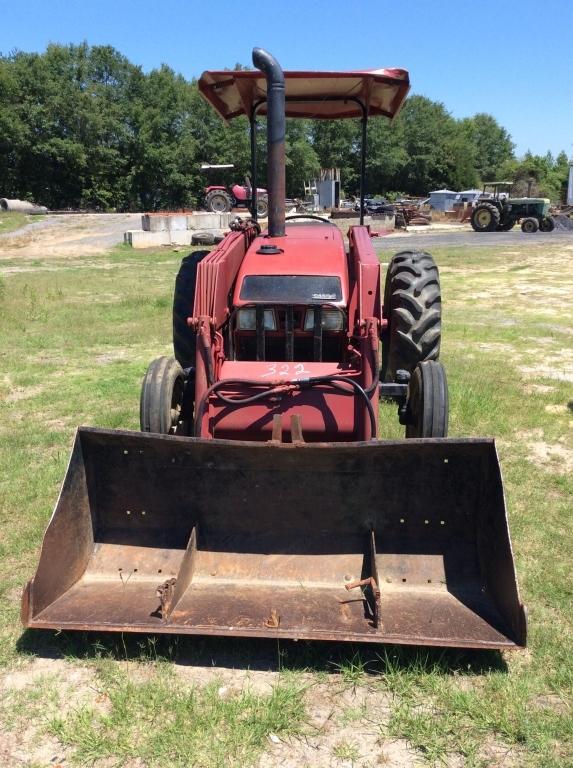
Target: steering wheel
[308,216]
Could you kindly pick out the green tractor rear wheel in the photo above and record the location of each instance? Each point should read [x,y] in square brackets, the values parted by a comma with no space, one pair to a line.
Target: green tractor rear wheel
[529,225]
[547,224]
[485,218]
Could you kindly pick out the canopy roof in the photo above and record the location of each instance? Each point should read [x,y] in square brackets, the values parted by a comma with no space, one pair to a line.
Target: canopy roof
[325,95]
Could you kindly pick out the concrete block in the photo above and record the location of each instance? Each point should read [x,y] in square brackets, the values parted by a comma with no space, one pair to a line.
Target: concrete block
[163,222]
[151,222]
[386,220]
[208,220]
[180,237]
[137,238]
[202,220]
[177,223]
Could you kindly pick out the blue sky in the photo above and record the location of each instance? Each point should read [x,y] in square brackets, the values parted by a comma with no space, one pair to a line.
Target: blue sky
[511,59]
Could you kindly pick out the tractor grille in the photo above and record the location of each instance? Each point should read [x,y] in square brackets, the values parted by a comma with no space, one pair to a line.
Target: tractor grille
[290,341]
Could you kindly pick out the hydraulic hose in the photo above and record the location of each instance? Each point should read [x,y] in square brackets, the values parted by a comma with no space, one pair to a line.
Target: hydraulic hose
[274,389]
[332,380]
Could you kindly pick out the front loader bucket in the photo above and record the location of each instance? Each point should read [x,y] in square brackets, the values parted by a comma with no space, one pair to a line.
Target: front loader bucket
[167,534]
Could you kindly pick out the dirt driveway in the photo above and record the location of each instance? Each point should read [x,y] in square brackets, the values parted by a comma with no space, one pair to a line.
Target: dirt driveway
[420,239]
[67,236]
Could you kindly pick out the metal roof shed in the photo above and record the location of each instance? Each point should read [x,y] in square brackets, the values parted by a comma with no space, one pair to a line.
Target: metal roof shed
[443,199]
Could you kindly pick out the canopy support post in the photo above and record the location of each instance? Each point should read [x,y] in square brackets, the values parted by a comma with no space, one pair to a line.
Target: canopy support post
[302,100]
[254,185]
[364,123]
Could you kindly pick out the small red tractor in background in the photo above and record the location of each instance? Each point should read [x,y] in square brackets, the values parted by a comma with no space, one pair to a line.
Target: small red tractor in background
[221,199]
[258,496]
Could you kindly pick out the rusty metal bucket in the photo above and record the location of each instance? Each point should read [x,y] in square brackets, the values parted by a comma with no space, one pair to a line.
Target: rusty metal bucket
[167,534]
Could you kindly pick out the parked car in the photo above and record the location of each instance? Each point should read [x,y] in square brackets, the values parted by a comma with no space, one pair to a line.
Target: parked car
[379,205]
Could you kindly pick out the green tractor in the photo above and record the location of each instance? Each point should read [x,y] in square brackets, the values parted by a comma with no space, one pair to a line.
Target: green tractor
[497,211]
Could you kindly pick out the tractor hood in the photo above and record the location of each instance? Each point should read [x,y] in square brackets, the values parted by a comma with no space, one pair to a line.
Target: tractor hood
[529,200]
[307,250]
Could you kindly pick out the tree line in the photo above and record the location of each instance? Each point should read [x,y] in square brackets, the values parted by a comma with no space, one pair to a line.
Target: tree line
[83,127]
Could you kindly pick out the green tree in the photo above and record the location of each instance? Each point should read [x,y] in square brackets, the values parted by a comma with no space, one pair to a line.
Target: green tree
[302,163]
[13,131]
[70,106]
[539,175]
[163,149]
[386,155]
[82,126]
[337,145]
[492,144]
[436,154]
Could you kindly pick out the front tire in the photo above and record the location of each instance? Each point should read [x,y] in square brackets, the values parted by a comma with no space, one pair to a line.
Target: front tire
[162,395]
[529,225]
[413,309]
[428,402]
[485,218]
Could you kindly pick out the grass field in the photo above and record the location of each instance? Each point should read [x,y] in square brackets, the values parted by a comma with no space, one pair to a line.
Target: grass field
[76,336]
[10,221]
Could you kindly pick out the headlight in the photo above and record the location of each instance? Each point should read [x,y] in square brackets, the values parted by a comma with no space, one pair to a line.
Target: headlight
[332,320]
[247,319]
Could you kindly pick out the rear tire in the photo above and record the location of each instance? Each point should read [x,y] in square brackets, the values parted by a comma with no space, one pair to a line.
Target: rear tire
[428,402]
[413,309]
[185,338]
[162,395]
[485,218]
[529,225]
[262,207]
[547,224]
[218,201]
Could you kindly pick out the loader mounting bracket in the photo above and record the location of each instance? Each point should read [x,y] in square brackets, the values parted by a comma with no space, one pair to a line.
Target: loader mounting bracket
[392,391]
[399,394]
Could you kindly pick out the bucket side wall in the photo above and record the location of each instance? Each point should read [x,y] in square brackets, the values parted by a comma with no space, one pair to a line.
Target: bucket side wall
[496,554]
[69,539]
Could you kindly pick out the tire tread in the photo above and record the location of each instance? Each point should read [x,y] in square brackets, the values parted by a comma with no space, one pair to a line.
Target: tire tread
[184,338]
[412,307]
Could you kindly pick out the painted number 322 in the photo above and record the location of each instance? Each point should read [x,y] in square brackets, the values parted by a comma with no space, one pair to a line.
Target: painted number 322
[288,371]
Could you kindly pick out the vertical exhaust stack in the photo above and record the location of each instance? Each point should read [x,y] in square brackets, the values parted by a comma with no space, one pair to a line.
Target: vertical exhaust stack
[275,139]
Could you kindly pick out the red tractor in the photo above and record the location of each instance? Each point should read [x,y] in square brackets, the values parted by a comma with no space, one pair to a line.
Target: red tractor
[219,199]
[258,499]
